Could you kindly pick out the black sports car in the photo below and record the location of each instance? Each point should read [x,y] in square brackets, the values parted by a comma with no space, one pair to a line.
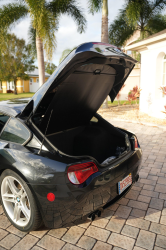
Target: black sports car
[60,160]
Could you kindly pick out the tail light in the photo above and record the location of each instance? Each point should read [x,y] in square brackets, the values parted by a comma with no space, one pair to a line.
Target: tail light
[136,142]
[79,173]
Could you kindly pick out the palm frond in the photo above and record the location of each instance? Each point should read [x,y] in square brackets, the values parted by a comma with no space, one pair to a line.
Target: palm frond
[44,26]
[11,14]
[158,6]
[65,53]
[156,24]
[71,8]
[32,40]
[120,30]
[95,5]
[47,33]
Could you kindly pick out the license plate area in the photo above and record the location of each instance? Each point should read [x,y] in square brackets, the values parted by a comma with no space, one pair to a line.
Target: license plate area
[125,183]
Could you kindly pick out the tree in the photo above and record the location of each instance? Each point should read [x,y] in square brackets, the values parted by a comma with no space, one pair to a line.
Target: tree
[142,15]
[45,17]
[16,60]
[65,53]
[50,67]
[2,70]
[96,6]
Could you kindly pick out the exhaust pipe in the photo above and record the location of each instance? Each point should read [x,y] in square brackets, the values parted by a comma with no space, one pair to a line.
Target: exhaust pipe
[93,215]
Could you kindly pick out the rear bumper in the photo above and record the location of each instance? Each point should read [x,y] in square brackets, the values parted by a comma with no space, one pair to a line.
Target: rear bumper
[73,203]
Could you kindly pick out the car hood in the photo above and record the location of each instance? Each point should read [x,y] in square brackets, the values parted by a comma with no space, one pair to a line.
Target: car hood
[78,87]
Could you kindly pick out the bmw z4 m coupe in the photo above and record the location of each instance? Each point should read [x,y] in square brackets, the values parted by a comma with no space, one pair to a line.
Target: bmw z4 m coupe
[60,161]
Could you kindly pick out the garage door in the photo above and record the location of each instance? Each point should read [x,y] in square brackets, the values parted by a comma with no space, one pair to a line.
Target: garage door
[34,86]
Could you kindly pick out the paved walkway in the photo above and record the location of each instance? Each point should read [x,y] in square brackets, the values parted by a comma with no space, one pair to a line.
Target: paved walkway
[136,222]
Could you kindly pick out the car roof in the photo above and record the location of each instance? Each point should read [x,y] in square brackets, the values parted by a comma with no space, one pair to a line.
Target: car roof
[13,107]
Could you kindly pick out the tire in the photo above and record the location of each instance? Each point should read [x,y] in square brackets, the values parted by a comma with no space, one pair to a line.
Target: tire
[18,202]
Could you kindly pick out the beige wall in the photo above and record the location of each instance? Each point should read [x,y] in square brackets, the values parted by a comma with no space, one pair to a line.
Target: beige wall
[4,87]
[22,85]
[132,81]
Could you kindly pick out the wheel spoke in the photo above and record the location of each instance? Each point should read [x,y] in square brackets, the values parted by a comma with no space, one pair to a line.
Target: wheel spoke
[8,197]
[23,209]
[23,195]
[17,212]
[11,185]
[20,192]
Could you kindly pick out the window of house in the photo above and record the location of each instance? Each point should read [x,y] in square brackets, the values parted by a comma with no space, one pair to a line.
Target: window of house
[15,132]
[37,80]
[129,52]
[31,80]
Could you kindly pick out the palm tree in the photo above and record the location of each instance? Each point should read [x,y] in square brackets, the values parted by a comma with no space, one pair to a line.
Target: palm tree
[45,17]
[96,6]
[65,53]
[137,15]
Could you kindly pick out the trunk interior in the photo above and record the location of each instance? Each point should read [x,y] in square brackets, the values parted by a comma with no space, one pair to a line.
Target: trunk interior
[99,140]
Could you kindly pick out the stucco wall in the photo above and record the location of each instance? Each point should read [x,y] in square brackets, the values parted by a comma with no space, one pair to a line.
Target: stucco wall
[22,85]
[132,81]
[151,99]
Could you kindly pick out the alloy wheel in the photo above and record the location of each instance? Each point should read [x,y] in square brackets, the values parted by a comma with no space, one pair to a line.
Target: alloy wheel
[15,201]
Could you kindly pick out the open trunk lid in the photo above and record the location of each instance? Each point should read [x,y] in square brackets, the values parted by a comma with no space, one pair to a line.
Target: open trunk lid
[78,87]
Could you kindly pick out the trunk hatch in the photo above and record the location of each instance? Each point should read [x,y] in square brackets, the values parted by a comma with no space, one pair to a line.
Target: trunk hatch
[78,87]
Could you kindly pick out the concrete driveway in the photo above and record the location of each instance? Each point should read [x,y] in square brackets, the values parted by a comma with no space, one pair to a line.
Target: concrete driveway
[136,222]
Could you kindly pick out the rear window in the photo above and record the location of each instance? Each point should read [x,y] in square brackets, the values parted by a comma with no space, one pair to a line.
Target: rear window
[16,132]
[3,120]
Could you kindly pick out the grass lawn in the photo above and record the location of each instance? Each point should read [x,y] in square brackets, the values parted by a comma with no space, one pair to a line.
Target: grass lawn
[4,97]
[122,103]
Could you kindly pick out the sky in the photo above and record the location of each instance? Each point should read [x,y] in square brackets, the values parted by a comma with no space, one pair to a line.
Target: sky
[67,36]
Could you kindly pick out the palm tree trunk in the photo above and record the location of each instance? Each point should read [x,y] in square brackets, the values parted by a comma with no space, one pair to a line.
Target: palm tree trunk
[104,33]
[104,28]
[40,58]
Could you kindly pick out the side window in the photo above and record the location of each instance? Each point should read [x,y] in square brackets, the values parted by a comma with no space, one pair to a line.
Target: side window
[3,120]
[15,131]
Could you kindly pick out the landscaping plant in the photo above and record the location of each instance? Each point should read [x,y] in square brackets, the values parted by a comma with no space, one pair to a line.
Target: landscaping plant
[163,89]
[134,94]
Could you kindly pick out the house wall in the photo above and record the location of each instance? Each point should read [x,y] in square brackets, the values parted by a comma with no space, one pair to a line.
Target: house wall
[152,100]
[132,81]
[26,86]
[35,83]
[22,85]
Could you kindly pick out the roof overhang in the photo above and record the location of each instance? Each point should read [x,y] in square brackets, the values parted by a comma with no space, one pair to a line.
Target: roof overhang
[143,44]
[31,75]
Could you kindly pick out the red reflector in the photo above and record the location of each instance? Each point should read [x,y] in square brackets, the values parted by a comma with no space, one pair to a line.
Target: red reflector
[136,142]
[50,197]
[79,173]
